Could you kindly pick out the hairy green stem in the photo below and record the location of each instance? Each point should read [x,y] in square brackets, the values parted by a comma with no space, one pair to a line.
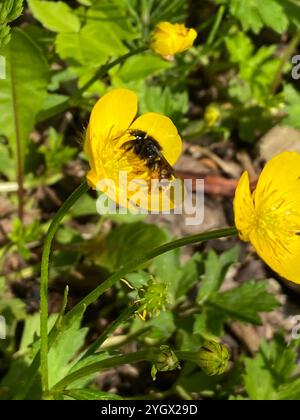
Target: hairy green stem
[150,355]
[140,356]
[72,101]
[83,188]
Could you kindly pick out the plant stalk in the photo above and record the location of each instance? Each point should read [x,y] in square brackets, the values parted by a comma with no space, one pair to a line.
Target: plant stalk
[83,188]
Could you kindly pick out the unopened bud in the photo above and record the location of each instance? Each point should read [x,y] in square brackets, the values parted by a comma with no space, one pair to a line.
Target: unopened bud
[213,358]
[166,360]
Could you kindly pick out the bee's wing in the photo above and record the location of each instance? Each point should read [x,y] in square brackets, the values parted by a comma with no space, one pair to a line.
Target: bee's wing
[164,161]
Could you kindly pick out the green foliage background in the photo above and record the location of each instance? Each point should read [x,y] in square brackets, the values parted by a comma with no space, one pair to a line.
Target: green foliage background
[52,49]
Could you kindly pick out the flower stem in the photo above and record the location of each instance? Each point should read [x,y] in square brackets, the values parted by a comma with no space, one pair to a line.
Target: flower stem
[72,101]
[123,317]
[149,355]
[83,188]
[216,26]
[139,356]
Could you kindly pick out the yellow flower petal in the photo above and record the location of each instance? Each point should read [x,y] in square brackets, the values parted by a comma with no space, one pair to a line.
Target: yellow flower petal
[281,176]
[243,207]
[163,130]
[284,262]
[110,119]
[92,178]
[87,148]
[111,116]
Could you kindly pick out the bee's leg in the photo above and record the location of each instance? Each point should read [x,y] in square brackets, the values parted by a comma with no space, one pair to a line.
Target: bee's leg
[128,145]
[153,164]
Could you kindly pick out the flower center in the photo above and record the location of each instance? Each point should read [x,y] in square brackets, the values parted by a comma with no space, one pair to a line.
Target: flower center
[276,221]
[118,160]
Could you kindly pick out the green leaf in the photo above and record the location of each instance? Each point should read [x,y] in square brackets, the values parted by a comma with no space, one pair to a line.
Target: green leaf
[138,279]
[12,309]
[216,268]
[162,10]
[255,14]
[209,324]
[164,101]
[239,46]
[89,47]
[244,303]
[292,11]
[292,108]
[163,327]
[139,67]
[268,374]
[127,242]
[259,71]
[86,206]
[22,235]
[258,379]
[63,351]
[4,36]
[12,382]
[281,359]
[9,11]
[289,391]
[55,15]
[189,275]
[23,91]
[166,268]
[116,15]
[84,361]
[56,153]
[90,394]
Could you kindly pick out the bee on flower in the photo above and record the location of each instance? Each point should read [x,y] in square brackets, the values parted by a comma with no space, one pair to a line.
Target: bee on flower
[129,156]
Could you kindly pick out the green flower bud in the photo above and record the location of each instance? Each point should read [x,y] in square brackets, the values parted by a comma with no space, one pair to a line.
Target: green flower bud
[212,115]
[213,358]
[166,360]
[154,300]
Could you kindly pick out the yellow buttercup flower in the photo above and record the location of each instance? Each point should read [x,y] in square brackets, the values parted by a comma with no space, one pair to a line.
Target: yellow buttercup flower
[111,129]
[270,216]
[169,39]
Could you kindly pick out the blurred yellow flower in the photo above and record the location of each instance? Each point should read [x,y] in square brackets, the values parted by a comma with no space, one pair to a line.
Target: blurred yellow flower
[212,115]
[270,216]
[169,39]
[111,126]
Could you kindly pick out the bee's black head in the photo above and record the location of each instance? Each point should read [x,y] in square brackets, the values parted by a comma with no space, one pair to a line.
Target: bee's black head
[138,134]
